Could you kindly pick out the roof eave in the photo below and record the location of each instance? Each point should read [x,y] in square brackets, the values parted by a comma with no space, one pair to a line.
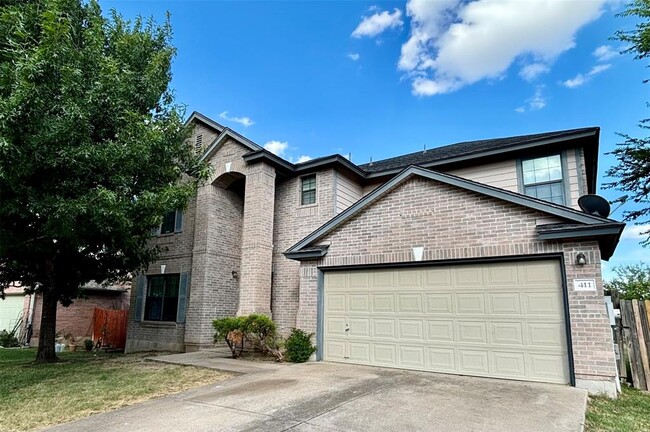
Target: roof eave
[307,255]
[480,154]
[206,120]
[607,234]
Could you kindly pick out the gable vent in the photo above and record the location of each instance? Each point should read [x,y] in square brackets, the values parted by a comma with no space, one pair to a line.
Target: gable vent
[199,142]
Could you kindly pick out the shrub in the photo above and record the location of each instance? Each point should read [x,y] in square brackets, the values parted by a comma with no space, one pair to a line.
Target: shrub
[8,339]
[88,345]
[262,330]
[232,330]
[299,347]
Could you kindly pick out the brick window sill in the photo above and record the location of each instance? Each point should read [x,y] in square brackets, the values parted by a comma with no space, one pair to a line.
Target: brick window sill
[158,324]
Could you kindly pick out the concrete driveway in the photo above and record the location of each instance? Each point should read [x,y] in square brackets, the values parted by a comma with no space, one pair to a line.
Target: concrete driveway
[315,397]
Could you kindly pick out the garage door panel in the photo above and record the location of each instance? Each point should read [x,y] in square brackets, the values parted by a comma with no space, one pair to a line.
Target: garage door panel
[542,303]
[335,350]
[473,304]
[335,326]
[473,362]
[335,303]
[439,304]
[411,356]
[546,334]
[504,303]
[359,303]
[509,364]
[337,281]
[384,354]
[501,320]
[503,276]
[359,280]
[359,352]
[442,359]
[472,332]
[507,333]
[409,279]
[440,331]
[409,303]
[437,279]
[384,328]
[359,327]
[546,273]
[383,303]
[468,277]
[548,367]
[411,329]
[382,279]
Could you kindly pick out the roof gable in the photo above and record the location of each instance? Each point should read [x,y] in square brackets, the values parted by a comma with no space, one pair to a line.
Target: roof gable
[198,117]
[515,198]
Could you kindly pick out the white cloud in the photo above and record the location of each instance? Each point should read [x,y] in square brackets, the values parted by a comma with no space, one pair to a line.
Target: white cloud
[635,232]
[581,79]
[353,56]
[534,103]
[303,158]
[604,53]
[278,148]
[378,22]
[532,71]
[244,121]
[454,43]
[599,68]
[281,148]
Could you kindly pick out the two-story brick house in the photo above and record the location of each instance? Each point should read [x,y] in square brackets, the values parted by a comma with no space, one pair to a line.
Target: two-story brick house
[471,259]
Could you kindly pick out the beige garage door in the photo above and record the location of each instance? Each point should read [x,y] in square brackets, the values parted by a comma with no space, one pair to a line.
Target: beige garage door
[502,320]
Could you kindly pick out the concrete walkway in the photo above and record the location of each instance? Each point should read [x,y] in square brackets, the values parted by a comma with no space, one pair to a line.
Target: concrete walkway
[317,397]
[218,358]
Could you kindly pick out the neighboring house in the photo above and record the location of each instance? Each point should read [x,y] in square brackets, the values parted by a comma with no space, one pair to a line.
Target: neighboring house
[76,319]
[471,259]
[11,308]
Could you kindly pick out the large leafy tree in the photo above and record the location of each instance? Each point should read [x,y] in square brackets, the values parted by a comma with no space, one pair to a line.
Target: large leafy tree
[93,149]
[632,281]
[632,173]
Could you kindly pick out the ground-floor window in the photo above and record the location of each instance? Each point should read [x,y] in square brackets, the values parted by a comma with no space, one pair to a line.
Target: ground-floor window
[161,303]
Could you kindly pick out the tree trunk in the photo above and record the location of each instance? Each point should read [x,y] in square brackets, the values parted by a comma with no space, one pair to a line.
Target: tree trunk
[46,338]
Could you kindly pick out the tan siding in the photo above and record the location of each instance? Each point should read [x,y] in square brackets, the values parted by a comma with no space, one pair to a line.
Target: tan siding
[572,178]
[499,174]
[347,192]
[367,188]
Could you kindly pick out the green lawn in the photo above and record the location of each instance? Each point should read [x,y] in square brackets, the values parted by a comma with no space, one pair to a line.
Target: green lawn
[629,413]
[34,396]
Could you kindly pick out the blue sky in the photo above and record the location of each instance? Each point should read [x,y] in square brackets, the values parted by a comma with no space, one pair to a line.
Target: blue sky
[378,79]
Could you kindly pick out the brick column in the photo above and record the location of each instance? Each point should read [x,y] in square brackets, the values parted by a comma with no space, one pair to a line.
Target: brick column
[197,323]
[257,241]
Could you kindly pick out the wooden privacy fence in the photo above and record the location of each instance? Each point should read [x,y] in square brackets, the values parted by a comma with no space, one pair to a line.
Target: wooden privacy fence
[109,328]
[633,336]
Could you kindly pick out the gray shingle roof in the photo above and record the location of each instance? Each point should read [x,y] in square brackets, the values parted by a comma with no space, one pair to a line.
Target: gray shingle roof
[465,149]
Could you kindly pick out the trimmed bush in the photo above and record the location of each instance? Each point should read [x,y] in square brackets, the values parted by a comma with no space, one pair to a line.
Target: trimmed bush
[298,346]
[231,330]
[261,330]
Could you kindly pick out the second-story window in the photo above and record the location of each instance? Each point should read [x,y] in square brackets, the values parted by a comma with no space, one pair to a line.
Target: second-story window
[172,223]
[543,178]
[308,190]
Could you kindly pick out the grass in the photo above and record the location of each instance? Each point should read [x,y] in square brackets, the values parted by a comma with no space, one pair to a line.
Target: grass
[629,413]
[33,396]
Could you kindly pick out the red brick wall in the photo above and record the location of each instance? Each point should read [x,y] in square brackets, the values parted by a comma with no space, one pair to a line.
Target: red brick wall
[78,317]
